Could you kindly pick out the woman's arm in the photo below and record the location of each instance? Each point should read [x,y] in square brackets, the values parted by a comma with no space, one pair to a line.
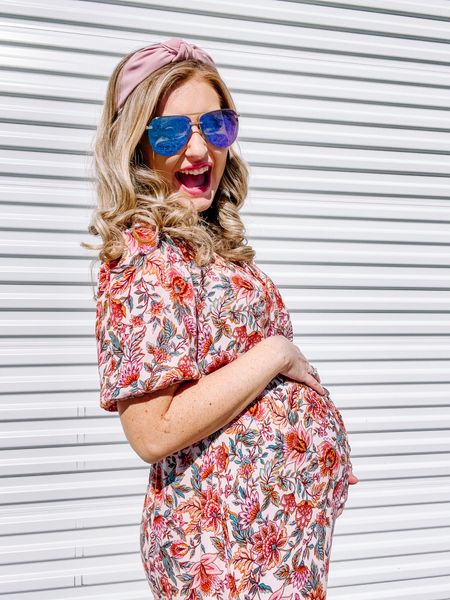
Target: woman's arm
[165,421]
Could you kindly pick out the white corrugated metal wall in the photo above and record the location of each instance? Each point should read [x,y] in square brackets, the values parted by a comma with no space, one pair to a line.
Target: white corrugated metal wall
[345,123]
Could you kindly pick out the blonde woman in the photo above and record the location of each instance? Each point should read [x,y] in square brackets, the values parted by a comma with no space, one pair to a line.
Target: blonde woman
[250,461]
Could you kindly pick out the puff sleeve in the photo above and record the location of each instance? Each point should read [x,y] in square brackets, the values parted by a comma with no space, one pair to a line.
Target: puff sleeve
[146,322]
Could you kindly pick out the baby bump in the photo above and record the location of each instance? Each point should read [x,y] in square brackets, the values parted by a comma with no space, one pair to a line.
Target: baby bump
[304,435]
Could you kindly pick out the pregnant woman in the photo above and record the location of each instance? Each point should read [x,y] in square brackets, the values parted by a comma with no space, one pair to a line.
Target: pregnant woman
[250,460]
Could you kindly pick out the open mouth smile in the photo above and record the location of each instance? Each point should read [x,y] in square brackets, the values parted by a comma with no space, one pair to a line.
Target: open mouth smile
[195,181]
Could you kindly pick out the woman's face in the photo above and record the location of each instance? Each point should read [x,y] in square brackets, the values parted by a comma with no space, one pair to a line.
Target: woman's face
[193,96]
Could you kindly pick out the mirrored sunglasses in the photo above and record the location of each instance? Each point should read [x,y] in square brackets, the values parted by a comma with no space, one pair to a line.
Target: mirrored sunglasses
[169,134]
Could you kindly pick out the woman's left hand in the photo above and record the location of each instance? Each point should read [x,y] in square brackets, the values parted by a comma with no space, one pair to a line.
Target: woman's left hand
[352,478]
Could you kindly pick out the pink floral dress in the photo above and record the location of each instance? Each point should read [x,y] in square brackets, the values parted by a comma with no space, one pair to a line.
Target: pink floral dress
[249,511]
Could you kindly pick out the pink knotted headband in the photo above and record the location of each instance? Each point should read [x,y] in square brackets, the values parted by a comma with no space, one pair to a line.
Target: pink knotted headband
[149,59]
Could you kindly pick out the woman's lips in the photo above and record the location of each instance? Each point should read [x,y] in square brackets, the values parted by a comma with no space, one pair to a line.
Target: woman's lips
[197,190]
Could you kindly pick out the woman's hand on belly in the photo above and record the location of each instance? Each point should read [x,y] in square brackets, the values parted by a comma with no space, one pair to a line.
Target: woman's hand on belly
[295,364]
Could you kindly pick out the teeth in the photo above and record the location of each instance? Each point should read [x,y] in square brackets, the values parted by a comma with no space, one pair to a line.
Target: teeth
[195,171]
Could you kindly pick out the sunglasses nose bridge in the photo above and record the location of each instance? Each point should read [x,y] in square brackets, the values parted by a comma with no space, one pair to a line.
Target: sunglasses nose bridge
[199,130]
[195,123]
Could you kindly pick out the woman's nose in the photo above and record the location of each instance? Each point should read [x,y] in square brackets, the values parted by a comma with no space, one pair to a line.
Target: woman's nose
[196,144]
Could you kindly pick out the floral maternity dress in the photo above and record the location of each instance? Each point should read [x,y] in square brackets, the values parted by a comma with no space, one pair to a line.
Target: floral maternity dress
[249,511]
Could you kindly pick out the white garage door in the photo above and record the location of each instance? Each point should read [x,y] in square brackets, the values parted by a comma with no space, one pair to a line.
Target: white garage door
[345,124]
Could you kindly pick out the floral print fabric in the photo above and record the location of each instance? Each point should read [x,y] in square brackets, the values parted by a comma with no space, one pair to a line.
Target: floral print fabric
[146,321]
[249,511]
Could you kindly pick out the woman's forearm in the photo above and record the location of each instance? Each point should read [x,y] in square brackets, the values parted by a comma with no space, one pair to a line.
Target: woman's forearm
[214,400]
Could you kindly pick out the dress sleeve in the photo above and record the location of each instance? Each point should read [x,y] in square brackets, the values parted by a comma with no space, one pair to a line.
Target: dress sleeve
[146,322]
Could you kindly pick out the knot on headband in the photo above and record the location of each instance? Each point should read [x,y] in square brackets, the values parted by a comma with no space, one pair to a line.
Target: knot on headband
[149,59]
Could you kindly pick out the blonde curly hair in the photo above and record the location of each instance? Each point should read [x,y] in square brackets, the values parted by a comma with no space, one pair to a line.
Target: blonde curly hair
[129,192]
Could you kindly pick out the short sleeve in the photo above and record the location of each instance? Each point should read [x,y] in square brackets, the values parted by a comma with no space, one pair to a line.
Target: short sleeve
[146,321]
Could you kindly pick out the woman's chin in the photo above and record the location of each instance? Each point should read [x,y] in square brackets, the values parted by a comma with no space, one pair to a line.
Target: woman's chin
[200,201]
[201,204]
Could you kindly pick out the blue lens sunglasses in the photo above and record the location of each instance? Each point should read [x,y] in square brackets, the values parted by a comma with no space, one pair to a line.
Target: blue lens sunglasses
[169,134]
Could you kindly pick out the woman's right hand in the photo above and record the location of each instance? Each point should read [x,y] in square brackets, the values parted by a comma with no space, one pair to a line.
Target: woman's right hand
[295,364]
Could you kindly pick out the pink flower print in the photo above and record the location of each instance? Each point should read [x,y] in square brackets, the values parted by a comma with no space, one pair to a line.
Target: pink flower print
[177,517]
[328,459]
[322,519]
[219,360]
[211,511]
[256,410]
[304,514]
[240,334]
[103,279]
[208,465]
[296,443]
[159,527]
[179,549]
[242,288]
[292,397]
[250,509]
[300,576]
[246,470]
[146,237]
[205,341]
[136,321]
[156,308]
[180,290]
[205,574]
[339,418]
[317,408]
[317,594]
[190,324]
[187,368]
[287,503]
[161,355]
[222,460]
[128,374]
[267,543]
[117,313]
[253,339]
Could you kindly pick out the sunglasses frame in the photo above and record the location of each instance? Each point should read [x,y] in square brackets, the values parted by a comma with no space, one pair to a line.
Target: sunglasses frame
[149,126]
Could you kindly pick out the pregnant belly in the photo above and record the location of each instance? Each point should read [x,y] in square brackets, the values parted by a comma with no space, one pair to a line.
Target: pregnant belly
[286,451]
[303,436]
